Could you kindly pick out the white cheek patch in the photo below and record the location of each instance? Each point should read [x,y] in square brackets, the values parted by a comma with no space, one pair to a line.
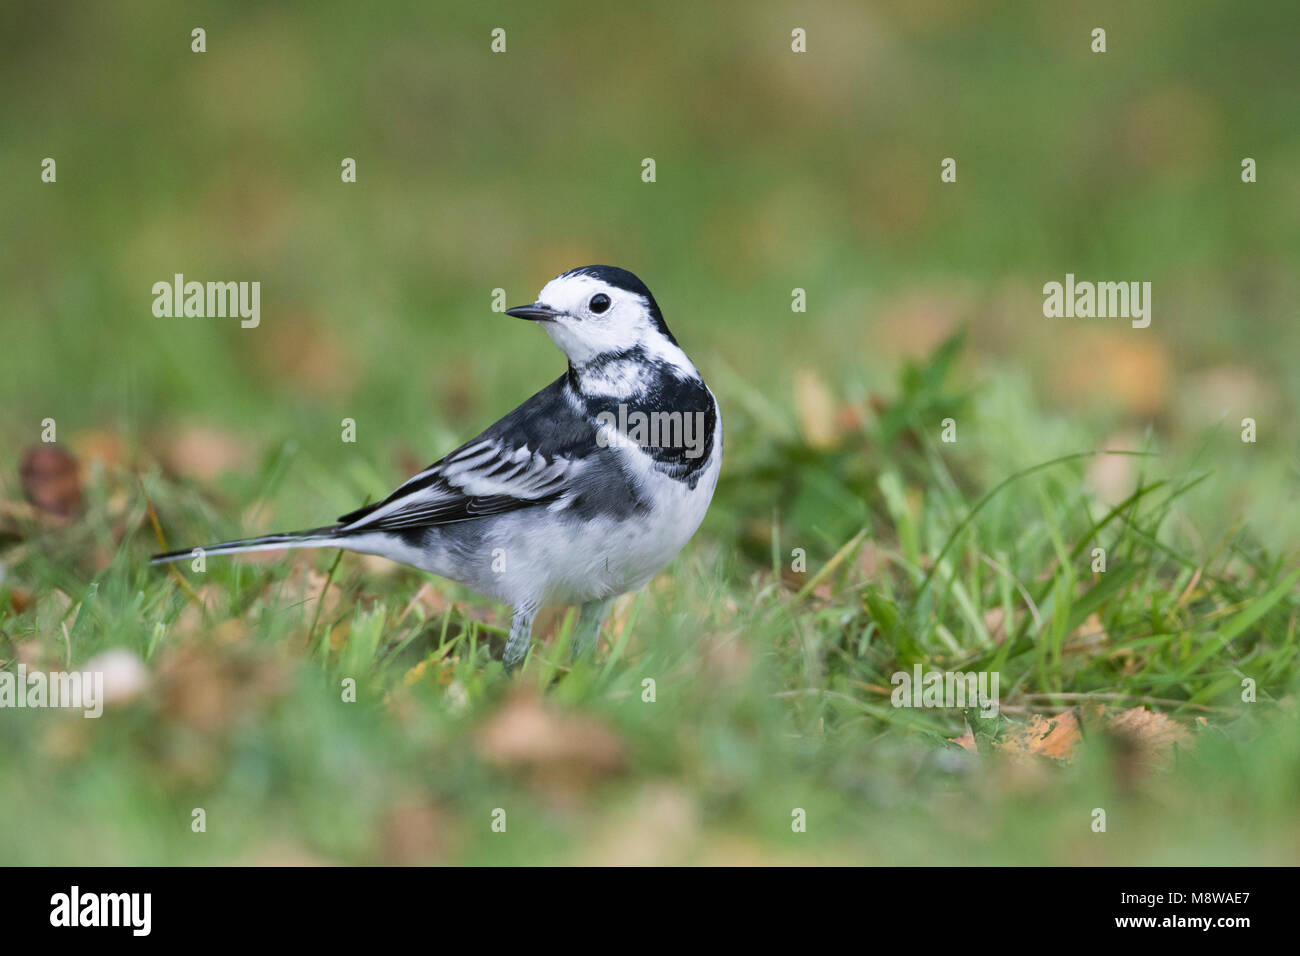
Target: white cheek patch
[568,341]
[626,325]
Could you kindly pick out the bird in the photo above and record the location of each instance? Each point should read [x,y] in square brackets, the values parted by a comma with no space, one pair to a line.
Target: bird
[581,494]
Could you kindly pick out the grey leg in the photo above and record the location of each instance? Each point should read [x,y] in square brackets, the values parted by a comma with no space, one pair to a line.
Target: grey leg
[588,629]
[521,632]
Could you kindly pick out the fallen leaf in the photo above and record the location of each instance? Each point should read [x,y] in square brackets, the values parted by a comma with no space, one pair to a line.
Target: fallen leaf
[20,599]
[100,446]
[1234,391]
[1113,368]
[207,689]
[1089,636]
[1112,478]
[869,559]
[1146,737]
[414,833]
[815,409]
[440,672]
[1152,735]
[995,622]
[202,453]
[851,417]
[51,480]
[558,751]
[1054,737]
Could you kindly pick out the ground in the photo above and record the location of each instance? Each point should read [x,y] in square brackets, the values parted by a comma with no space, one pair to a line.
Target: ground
[921,467]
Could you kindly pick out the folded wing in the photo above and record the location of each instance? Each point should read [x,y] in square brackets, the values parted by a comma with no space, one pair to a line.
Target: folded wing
[527,459]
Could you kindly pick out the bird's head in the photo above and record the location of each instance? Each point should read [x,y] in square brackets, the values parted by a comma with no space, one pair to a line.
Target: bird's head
[599,311]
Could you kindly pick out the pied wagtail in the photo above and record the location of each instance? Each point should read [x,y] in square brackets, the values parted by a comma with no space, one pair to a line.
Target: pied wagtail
[554,504]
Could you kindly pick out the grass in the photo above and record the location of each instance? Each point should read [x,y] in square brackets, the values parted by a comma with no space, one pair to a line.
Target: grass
[771,686]
[848,540]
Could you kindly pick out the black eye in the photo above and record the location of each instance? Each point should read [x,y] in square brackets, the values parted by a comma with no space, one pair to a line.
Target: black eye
[599,303]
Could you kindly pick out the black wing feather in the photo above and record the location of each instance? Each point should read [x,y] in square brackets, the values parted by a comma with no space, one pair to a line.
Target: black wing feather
[547,425]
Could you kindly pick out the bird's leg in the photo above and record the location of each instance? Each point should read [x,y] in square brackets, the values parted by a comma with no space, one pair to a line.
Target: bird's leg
[588,629]
[521,631]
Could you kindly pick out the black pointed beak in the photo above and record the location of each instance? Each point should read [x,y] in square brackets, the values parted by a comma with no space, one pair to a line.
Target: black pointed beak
[535,312]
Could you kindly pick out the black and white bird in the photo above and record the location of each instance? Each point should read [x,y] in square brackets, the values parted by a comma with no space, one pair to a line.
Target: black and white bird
[582,493]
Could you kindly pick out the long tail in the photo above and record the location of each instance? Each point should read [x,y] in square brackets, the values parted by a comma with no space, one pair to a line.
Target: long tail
[314,538]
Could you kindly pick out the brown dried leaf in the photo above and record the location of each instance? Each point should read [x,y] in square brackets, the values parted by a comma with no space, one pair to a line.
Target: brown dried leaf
[414,833]
[207,689]
[1112,478]
[440,672]
[1089,638]
[1146,737]
[851,417]
[20,599]
[1115,368]
[51,480]
[203,453]
[1054,737]
[1234,391]
[815,408]
[556,749]
[869,559]
[995,622]
[1152,735]
[104,447]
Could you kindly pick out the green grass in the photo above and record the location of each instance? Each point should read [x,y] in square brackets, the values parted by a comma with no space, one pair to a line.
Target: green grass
[478,172]
[771,686]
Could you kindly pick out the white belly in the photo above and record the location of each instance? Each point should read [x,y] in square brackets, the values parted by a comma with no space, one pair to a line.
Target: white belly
[534,556]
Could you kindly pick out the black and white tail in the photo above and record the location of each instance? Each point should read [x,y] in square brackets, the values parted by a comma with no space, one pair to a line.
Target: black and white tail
[315,538]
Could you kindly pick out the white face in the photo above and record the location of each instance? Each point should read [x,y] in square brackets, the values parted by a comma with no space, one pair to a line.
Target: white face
[583,332]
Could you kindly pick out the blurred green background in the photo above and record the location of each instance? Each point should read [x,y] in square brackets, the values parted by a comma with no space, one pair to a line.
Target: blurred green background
[775,170]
